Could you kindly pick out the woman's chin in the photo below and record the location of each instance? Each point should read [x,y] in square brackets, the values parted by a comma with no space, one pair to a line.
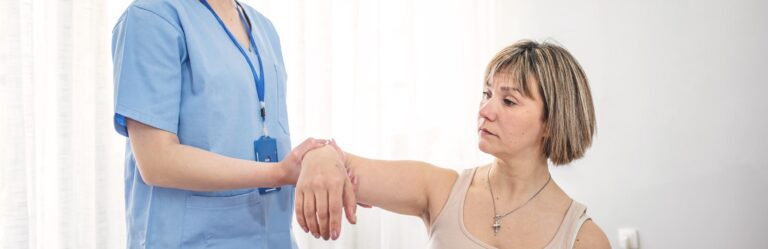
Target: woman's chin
[485,147]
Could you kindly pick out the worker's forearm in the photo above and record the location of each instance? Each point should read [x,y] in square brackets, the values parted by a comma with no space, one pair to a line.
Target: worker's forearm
[185,167]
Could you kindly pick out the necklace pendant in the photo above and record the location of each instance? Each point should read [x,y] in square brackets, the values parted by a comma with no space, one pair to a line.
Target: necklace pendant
[496,224]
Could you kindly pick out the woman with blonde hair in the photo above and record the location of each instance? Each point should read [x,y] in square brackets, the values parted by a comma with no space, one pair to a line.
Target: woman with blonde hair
[536,108]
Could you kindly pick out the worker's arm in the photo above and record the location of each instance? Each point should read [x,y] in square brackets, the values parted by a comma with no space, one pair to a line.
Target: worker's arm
[162,161]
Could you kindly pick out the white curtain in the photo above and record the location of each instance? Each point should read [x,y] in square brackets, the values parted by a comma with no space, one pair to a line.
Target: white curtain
[61,174]
[398,79]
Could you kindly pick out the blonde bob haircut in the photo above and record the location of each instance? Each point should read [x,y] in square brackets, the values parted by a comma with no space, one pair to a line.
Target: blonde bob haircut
[568,112]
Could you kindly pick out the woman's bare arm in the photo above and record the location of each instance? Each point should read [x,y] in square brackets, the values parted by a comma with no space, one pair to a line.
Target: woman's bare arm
[591,236]
[406,187]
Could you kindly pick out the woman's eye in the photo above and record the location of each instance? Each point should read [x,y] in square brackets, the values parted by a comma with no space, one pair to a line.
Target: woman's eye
[508,102]
[486,94]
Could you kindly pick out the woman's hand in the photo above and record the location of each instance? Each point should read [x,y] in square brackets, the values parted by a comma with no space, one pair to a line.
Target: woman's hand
[290,166]
[350,173]
[321,190]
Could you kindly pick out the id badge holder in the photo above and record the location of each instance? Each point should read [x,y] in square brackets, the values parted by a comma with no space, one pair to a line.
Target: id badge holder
[266,151]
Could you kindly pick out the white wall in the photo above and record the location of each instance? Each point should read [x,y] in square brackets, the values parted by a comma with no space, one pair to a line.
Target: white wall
[678,87]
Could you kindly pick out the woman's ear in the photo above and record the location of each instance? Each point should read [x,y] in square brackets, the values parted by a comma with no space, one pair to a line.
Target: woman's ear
[544,130]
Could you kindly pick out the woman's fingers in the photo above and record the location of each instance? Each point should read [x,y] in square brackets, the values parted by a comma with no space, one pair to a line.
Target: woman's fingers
[350,201]
[299,210]
[334,211]
[309,214]
[321,202]
[326,193]
[356,185]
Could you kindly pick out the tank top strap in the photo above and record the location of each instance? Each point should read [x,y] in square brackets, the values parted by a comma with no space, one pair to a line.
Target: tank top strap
[569,228]
[455,198]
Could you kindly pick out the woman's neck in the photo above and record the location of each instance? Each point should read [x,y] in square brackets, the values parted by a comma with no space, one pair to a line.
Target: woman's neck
[223,5]
[517,179]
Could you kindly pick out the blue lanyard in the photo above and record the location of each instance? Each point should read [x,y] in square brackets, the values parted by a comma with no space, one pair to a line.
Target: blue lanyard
[258,78]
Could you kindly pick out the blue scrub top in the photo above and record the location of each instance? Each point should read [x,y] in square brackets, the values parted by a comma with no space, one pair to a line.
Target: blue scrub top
[176,69]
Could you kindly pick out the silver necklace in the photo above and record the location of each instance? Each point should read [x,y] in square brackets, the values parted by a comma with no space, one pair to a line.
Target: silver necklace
[496,217]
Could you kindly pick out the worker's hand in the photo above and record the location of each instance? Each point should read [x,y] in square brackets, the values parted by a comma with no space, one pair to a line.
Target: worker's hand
[322,189]
[290,166]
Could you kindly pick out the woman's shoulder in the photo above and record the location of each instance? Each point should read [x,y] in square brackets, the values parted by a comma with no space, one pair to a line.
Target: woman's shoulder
[591,236]
[442,178]
[446,183]
[451,179]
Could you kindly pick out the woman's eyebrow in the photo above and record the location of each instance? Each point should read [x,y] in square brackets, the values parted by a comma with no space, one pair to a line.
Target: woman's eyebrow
[503,88]
[509,89]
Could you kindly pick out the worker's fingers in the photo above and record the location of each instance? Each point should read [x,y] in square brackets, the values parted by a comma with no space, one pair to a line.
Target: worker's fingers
[309,144]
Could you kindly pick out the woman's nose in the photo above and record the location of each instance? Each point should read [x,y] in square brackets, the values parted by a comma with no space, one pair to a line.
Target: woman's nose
[487,111]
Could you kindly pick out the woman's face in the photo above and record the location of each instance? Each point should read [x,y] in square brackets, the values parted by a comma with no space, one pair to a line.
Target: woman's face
[510,124]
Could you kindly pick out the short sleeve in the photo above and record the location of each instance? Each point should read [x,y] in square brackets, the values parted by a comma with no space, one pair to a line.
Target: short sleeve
[147,52]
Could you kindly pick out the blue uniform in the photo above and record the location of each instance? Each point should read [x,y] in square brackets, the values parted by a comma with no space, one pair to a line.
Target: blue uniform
[176,69]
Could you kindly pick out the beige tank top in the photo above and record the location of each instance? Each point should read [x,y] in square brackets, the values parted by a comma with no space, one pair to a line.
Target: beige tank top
[448,231]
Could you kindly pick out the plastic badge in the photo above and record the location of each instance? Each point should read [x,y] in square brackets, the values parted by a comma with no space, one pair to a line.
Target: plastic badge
[266,151]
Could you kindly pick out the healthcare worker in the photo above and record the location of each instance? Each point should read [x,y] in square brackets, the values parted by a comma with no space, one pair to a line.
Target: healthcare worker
[200,94]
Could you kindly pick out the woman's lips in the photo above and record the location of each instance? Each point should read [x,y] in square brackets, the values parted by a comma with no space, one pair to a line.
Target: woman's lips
[484,132]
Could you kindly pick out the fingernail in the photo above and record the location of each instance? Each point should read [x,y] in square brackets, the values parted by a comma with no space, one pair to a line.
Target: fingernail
[305,229]
[335,235]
